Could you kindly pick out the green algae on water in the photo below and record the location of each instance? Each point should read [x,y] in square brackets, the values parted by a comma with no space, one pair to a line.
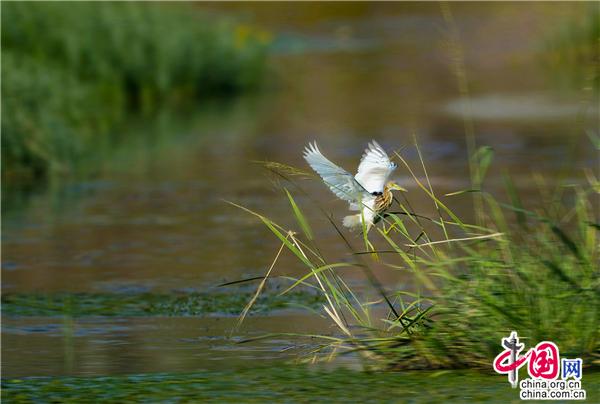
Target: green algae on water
[150,304]
[285,383]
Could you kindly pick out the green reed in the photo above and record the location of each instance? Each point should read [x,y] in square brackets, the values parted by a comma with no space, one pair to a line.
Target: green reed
[570,51]
[530,269]
[72,72]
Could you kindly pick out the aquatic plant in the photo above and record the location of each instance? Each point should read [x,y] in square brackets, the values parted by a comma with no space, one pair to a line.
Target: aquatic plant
[71,72]
[287,383]
[530,269]
[571,51]
[151,304]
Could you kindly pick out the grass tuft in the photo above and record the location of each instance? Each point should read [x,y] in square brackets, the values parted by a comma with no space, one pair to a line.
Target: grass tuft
[537,274]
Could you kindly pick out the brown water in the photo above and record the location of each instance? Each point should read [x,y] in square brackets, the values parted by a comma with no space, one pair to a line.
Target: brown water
[154,217]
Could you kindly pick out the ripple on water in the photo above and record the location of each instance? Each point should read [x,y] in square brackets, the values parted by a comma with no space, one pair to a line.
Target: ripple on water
[137,345]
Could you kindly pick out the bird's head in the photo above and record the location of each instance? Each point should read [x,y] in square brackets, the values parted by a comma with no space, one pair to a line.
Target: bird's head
[392,186]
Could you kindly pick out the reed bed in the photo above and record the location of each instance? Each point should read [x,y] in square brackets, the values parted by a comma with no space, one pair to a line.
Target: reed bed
[72,73]
[533,269]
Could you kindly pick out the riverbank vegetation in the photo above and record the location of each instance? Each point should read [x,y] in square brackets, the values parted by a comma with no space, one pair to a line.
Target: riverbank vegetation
[571,51]
[529,268]
[72,72]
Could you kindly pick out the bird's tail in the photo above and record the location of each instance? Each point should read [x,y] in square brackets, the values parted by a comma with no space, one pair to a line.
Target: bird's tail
[352,221]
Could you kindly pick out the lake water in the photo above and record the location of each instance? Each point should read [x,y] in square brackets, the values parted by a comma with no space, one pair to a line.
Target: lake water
[153,217]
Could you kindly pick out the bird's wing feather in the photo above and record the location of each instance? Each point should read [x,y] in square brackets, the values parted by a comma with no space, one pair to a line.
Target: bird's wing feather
[340,181]
[374,169]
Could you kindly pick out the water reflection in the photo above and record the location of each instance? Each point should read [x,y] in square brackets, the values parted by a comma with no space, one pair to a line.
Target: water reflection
[96,346]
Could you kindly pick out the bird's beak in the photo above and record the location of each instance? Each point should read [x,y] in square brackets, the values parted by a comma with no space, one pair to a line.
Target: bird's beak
[397,187]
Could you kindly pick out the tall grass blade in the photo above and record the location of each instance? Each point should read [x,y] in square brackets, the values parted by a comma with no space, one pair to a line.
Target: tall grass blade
[300,218]
[258,290]
[515,200]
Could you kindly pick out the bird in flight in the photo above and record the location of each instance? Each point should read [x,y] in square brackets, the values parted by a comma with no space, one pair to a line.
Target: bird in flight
[369,191]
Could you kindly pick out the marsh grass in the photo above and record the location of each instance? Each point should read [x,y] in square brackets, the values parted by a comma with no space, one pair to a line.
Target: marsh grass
[530,269]
[72,72]
[570,51]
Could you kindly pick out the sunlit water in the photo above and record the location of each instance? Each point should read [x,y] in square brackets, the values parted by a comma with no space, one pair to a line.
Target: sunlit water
[154,218]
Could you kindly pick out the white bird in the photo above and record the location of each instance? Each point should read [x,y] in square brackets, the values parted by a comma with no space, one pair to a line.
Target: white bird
[369,191]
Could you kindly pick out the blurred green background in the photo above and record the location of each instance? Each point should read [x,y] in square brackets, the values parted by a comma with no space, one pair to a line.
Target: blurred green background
[74,72]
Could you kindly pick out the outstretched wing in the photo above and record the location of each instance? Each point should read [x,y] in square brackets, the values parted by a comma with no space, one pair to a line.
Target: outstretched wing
[374,169]
[340,181]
